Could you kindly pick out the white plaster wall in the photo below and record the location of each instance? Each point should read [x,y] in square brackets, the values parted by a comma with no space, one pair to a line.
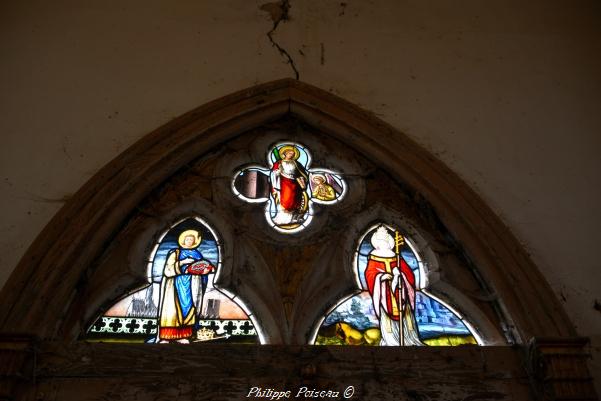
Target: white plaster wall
[507,93]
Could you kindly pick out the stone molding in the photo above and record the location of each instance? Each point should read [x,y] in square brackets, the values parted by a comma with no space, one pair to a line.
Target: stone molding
[53,371]
[43,288]
[558,369]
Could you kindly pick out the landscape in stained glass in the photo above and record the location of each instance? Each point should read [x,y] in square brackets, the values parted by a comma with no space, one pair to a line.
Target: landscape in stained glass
[289,187]
[180,303]
[393,307]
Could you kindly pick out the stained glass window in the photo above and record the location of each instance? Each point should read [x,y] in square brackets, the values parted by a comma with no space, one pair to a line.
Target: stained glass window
[394,306]
[289,187]
[181,302]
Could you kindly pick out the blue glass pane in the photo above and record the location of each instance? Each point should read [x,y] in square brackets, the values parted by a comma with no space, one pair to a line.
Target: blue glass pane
[365,248]
[181,304]
[354,322]
[208,246]
[435,320]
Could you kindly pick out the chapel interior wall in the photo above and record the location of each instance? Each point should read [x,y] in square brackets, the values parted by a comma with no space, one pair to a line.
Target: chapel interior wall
[506,94]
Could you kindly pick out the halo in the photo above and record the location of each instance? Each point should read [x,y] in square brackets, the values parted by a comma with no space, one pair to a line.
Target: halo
[320,175]
[187,233]
[286,148]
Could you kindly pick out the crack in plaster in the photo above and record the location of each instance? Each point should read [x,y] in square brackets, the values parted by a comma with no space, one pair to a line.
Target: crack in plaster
[279,12]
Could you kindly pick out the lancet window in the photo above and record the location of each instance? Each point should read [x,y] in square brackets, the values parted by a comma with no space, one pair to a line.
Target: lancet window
[393,306]
[180,303]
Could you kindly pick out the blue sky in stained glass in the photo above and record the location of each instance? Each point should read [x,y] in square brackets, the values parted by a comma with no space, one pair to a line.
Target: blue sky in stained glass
[365,248]
[433,318]
[208,246]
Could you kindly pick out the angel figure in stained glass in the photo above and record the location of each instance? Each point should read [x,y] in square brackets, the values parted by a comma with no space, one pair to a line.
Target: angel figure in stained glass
[391,284]
[321,189]
[177,310]
[289,180]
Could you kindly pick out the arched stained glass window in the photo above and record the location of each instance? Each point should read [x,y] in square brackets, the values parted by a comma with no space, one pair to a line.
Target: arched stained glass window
[181,302]
[88,252]
[394,306]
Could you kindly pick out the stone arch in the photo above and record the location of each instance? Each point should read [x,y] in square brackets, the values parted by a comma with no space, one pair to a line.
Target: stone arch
[40,296]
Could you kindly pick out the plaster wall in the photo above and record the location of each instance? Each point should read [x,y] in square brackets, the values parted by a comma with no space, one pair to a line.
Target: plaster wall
[505,93]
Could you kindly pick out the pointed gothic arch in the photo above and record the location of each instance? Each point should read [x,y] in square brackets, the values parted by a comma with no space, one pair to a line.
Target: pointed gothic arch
[60,284]
[40,295]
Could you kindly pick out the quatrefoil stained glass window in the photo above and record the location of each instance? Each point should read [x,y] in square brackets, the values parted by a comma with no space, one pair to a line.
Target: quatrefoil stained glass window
[289,186]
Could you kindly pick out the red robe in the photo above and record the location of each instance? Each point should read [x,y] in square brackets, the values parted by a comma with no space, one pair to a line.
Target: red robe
[381,291]
[291,193]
